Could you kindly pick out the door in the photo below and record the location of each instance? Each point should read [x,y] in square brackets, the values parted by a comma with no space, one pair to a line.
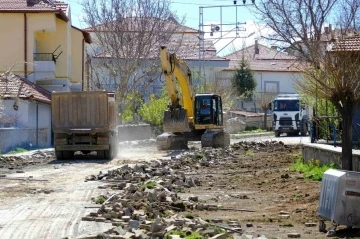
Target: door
[219,113]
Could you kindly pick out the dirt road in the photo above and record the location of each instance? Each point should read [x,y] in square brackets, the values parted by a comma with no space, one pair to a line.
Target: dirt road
[53,208]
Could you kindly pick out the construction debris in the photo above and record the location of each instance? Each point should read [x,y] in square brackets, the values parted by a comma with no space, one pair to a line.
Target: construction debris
[145,202]
[19,161]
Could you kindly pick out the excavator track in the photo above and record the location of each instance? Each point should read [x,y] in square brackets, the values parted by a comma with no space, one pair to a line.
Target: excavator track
[215,139]
[171,141]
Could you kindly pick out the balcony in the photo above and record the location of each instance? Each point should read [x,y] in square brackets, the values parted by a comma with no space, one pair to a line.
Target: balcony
[44,66]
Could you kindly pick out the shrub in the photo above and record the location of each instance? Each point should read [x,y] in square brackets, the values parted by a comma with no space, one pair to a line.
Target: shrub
[312,169]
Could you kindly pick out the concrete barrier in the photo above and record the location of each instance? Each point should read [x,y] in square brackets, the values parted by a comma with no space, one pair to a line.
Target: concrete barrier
[328,154]
[128,132]
[11,138]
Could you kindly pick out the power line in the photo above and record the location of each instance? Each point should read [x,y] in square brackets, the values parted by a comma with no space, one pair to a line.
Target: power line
[188,3]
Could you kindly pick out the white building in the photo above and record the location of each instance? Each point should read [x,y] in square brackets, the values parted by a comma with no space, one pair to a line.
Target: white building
[25,114]
[274,71]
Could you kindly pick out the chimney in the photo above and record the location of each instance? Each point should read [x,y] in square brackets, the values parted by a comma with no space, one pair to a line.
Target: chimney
[331,32]
[256,47]
[326,30]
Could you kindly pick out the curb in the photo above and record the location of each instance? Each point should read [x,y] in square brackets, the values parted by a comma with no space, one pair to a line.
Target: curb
[244,136]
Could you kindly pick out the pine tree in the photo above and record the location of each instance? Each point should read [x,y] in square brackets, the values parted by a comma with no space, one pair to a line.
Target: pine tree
[243,80]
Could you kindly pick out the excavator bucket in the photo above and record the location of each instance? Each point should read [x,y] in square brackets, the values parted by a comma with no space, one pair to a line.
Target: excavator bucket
[176,121]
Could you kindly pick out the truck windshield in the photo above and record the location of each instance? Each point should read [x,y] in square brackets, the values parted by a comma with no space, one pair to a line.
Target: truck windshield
[286,105]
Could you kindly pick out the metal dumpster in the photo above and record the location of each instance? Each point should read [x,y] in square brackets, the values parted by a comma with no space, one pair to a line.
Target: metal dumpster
[340,198]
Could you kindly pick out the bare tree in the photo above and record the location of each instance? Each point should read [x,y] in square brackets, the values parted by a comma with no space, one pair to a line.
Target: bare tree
[263,99]
[337,81]
[127,36]
[299,26]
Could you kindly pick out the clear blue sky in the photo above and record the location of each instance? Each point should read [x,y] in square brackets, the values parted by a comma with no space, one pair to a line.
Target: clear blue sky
[190,10]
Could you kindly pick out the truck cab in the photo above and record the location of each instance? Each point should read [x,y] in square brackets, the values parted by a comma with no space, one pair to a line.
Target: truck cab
[290,115]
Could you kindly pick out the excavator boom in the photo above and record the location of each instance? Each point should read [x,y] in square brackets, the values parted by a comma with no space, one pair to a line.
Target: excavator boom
[188,117]
[179,87]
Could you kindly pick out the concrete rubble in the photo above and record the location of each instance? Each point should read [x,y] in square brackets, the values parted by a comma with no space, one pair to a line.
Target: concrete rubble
[18,161]
[144,202]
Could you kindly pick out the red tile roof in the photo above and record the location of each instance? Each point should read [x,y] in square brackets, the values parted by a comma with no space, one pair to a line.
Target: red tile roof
[184,42]
[268,59]
[13,86]
[351,43]
[136,23]
[58,7]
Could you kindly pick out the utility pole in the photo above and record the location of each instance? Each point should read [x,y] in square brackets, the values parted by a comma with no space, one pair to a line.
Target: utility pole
[218,28]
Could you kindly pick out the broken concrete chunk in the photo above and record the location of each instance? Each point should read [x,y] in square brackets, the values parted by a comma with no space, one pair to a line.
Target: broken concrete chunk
[125,218]
[293,235]
[220,236]
[310,224]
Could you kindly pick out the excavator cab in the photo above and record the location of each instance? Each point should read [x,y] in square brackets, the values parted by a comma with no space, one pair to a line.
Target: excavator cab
[208,109]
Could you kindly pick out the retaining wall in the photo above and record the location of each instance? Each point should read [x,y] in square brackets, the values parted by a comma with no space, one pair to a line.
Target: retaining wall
[134,132]
[11,138]
[328,154]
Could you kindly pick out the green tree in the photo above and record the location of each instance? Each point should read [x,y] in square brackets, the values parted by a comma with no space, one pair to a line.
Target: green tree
[133,102]
[243,80]
[153,111]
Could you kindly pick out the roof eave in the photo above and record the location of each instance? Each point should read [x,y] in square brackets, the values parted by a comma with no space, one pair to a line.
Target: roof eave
[234,69]
[48,102]
[86,35]
[59,13]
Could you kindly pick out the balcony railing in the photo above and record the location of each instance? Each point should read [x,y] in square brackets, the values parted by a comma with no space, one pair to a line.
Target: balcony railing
[44,57]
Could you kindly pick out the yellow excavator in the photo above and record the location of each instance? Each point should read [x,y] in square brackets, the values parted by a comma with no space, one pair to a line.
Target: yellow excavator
[189,117]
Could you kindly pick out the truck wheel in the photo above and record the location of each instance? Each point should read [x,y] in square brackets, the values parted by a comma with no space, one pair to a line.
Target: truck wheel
[277,134]
[59,155]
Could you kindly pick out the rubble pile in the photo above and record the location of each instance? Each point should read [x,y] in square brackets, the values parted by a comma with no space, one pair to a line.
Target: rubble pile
[263,146]
[19,161]
[144,200]
[147,204]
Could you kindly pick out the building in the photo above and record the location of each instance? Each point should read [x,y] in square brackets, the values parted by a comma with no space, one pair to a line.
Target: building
[183,41]
[40,52]
[274,71]
[25,118]
[41,45]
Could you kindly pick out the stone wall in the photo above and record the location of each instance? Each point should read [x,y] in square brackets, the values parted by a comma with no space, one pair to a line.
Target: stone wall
[134,132]
[11,138]
[328,154]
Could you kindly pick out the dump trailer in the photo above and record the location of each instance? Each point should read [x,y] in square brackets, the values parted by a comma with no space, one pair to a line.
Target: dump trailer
[84,121]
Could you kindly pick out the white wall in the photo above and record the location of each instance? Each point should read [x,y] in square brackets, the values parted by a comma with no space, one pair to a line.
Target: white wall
[21,114]
[283,80]
[43,118]
[26,115]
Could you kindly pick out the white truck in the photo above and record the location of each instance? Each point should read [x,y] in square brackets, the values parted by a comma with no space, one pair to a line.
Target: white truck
[290,115]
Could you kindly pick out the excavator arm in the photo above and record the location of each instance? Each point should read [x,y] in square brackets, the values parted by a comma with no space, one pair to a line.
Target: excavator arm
[180,114]
[179,124]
